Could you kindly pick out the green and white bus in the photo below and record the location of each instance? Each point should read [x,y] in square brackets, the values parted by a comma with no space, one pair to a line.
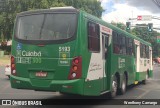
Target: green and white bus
[70,51]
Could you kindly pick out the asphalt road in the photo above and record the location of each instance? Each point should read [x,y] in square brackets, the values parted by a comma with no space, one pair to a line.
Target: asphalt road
[149,91]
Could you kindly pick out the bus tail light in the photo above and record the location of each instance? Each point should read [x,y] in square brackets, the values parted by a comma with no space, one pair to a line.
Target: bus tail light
[13,66]
[76,68]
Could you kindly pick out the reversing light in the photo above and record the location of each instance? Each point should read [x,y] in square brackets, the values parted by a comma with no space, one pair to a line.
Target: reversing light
[74,75]
[14,71]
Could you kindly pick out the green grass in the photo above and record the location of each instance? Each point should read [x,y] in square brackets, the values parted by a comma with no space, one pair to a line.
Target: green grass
[4,60]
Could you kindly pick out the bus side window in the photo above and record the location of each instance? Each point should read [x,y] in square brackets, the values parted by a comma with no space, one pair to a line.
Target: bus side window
[123,45]
[116,48]
[141,50]
[105,43]
[93,37]
[120,43]
[147,52]
[129,46]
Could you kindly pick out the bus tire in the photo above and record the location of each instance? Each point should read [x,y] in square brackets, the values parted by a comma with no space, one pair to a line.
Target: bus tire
[113,92]
[123,86]
[62,93]
[144,82]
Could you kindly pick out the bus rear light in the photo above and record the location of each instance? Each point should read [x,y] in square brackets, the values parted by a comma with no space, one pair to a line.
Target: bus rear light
[12,59]
[74,75]
[76,69]
[13,66]
[14,71]
[76,61]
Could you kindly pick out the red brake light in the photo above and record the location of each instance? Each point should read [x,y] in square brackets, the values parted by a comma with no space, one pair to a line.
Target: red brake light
[12,59]
[76,61]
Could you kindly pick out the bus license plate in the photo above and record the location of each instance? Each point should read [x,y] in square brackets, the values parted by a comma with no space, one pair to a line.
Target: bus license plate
[41,74]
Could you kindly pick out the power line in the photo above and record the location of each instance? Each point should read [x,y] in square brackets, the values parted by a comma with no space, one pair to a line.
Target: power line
[157,2]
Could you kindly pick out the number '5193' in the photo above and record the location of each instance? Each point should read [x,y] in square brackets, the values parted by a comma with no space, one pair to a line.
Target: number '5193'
[64,49]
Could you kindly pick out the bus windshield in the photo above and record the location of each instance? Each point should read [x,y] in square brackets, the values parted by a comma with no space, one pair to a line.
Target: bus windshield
[55,26]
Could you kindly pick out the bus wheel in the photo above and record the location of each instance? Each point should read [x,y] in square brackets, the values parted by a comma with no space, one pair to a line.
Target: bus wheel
[62,93]
[114,88]
[124,85]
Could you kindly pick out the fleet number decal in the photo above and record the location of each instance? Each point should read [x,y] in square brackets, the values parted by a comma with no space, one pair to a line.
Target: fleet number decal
[64,49]
[64,55]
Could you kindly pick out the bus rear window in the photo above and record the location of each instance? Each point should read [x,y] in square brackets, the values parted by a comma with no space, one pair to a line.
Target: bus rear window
[55,26]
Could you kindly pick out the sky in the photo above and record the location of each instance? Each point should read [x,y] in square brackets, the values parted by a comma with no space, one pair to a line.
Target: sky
[122,10]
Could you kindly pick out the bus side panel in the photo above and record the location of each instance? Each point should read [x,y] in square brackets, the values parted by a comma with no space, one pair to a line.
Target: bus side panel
[91,87]
[121,64]
[140,76]
[150,73]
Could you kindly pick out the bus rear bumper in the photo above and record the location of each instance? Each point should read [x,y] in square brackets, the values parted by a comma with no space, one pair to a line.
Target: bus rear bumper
[66,86]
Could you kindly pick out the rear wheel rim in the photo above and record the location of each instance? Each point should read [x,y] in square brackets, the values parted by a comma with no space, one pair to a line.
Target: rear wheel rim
[114,88]
[124,85]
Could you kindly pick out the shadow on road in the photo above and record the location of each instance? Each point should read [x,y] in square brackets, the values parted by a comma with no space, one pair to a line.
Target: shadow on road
[76,101]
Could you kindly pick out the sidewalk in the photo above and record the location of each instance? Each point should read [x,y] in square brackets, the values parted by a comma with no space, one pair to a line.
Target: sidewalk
[4,60]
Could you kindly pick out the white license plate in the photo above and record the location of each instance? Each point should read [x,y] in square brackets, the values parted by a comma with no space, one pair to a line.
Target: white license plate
[41,74]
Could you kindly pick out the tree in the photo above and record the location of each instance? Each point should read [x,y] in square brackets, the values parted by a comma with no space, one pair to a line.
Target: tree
[12,7]
[119,25]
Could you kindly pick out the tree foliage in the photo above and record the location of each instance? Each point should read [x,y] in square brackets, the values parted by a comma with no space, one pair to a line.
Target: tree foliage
[9,9]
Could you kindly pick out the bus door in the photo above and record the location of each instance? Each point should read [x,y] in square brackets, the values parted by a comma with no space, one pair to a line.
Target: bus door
[137,55]
[105,43]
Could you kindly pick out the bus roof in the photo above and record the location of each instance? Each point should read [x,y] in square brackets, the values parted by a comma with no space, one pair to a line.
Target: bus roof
[68,9]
